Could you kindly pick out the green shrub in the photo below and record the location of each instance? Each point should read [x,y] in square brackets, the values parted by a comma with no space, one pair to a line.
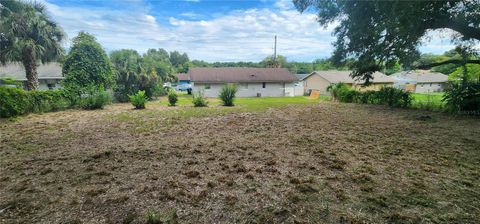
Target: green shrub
[463,98]
[385,96]
[139,100]
[172,97]
[227,94]
[13,102]
[394,97]
[199,100]
[46,101]
[95,99]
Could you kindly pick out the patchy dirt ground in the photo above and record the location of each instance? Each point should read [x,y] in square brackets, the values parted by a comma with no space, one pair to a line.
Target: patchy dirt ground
[327,163]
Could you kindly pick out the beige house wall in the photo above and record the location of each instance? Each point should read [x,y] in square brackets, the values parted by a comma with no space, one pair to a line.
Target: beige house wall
[315,82]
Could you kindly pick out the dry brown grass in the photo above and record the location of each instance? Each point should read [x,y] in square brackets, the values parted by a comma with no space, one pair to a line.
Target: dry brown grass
[328,163]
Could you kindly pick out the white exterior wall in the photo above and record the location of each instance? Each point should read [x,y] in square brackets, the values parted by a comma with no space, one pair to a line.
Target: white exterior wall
[429,87]
[248,89]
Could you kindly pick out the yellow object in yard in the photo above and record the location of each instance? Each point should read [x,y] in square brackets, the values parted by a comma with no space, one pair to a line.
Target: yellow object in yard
[314,94]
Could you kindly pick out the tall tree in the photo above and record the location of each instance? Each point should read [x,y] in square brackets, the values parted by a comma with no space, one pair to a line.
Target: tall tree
[130,75]
[158,61]
[87,66]
[28,35]
[380,33]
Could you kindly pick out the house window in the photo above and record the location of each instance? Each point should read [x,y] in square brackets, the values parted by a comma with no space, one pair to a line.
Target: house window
[264,84]
[51,86]
[207,86]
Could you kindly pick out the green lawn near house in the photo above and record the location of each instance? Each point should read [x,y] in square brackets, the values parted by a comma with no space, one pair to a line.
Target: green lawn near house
[432,101]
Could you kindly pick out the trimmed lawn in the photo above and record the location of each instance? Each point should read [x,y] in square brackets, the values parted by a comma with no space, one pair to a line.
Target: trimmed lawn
[432,101]
[266,160]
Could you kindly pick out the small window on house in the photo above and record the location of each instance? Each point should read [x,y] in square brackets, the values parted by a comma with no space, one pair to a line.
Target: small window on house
[264,84]
[51,86]
[430,84]
[207,86]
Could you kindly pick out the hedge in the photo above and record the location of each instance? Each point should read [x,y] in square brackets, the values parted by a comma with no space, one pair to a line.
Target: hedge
[385,96]
[15,101]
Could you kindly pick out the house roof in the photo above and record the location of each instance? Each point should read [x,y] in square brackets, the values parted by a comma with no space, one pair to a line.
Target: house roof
[45,71]
[232,75]
[334,76]
[183,76]
[301,76]
[420,76]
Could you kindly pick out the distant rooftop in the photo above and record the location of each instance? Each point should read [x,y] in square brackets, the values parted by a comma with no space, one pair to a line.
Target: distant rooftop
[421,76]
[334,76]
[183,76]
[301,76]
[17,71]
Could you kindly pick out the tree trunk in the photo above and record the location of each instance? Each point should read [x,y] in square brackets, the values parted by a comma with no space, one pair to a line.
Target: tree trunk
[31,70]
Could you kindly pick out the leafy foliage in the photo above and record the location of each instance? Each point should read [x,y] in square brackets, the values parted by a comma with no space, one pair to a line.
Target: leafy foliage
[227,94]
[95,99]
[131,77]
[16,101]
[172,97]
[380,33]
[139,100]
[199,100]
[385,96]
[473,73]
[87,66]
[28,35]
[463,97]
[158,62]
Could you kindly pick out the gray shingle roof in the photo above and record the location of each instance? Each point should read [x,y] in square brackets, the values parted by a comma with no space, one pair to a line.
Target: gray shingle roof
[301,76]
[334,76]
[17,71]
[232,75]
[421,76]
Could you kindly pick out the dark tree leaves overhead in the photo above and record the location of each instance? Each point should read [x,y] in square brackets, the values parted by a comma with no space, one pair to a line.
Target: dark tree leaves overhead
[381,33]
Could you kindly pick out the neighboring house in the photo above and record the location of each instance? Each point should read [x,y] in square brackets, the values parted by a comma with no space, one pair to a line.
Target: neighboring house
[252,82]
[320,80]
[49,75]
[420,81]
[183,78]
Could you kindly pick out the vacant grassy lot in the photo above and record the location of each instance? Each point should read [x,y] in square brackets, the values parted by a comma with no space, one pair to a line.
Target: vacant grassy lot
[289,160]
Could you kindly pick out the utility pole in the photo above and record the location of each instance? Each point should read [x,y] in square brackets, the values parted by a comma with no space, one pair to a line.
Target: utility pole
[275,50]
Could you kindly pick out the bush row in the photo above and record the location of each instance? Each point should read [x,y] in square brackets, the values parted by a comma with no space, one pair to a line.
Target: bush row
[385,96]
[16,101]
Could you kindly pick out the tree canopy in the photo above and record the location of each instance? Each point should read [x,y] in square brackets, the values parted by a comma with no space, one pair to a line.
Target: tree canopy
[87,65]
[131,76]
[379,34]
[28,35]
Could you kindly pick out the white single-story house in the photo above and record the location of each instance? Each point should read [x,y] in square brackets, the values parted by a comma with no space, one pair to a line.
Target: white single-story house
[320,80]
[49,75]
[420,81]
[252,82]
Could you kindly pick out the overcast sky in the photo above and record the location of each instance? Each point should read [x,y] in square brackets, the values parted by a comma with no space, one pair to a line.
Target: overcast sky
[210,30]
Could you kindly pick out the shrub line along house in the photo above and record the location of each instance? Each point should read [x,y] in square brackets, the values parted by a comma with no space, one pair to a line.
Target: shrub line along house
[49,75]
[420,81]
[252,82]
[320,80]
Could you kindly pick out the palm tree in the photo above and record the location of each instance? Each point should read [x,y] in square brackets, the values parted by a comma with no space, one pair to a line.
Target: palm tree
[28,35]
